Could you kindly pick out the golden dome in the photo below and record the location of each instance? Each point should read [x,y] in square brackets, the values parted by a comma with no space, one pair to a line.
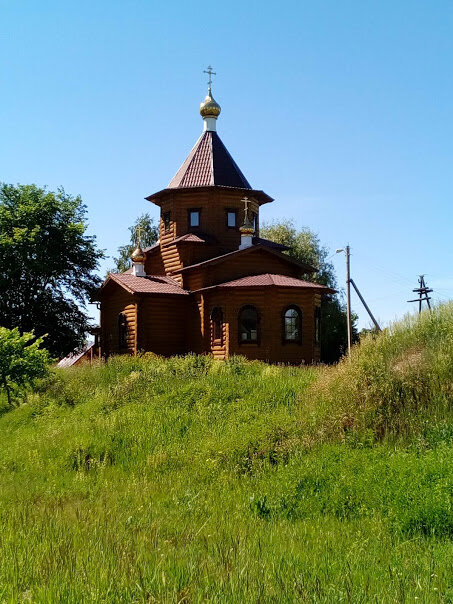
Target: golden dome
[209,107]
[138,255]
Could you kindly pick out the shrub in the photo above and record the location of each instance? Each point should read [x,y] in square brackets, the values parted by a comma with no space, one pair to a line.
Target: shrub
[22,361]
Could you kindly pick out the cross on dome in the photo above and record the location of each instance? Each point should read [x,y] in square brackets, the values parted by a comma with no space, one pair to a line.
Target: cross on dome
[211,73]
[209,108]
[138,234]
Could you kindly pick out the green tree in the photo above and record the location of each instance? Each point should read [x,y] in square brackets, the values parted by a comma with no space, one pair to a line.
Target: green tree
[22,361]
[47,264]
[149,234]
[304,245]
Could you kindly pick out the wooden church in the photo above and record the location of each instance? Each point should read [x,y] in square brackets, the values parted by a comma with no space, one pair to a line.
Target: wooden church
[210,284]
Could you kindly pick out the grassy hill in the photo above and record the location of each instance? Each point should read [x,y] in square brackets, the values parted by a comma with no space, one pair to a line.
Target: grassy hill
[187,480]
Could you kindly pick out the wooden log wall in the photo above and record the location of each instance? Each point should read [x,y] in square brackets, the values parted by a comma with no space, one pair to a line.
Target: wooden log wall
[154,264]
[162,324]
[116,301]
[213,205]
[254,263]
[270,303]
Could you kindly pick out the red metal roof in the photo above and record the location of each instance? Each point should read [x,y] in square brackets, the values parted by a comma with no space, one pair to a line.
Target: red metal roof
[193,238]
[268,280]
[151,284]
[209,164]
[73,357]
[269,243]
[260,246]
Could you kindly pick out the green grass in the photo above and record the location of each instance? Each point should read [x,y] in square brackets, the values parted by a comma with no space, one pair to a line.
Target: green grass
[189,480]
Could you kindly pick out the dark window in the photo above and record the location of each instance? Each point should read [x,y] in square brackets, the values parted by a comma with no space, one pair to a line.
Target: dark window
[194,218]
[231,219]
[166,218]
[248,327]
[292,324]
[317,325]
[122,331]
[216,324]
[255,221]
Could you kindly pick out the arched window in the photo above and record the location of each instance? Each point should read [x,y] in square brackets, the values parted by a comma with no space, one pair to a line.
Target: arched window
[122,331]
[248,325]
[292,324]
[216,325]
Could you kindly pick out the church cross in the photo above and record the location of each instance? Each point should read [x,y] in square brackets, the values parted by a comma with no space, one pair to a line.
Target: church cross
[211,73]
[246,201]
[138,233]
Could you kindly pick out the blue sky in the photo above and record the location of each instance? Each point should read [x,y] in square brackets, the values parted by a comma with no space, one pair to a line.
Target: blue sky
[341,111]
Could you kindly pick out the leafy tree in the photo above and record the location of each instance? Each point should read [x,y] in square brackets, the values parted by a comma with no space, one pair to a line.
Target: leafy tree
[22,361]
[149,234]
[46,265]
[304,245]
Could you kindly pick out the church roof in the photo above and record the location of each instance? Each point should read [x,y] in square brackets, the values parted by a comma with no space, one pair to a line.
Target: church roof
[193,238]
[268,280]
[209,164]
[151,284]
[259,247]
[72,358]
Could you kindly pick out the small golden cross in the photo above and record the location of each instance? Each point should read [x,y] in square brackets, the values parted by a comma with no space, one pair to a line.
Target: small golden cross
[246,201]
[138,233]
[211,73]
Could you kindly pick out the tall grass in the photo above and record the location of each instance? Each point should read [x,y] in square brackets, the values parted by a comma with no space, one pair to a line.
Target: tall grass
[188,479]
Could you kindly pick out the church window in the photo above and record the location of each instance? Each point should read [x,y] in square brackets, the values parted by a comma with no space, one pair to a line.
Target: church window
[292,324]
[216,324]
[194,218]
[255,222]
[248,327]
[231,218]
[317,324]
[122,331]
[166,218]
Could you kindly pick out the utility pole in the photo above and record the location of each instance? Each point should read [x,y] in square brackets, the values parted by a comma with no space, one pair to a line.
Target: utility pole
[348,296]
[422,292]
[347,251]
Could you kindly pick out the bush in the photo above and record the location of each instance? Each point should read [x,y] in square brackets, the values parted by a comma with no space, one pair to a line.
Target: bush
[393,382]
[22,361]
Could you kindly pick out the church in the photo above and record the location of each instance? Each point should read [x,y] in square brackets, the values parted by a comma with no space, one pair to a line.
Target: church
[210,284]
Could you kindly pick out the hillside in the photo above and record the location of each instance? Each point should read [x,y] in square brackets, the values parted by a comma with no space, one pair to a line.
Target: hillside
[188,480]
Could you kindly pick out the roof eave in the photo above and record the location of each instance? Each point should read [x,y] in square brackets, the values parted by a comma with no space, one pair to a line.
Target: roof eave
[322,289]
[305,267]
[261,196]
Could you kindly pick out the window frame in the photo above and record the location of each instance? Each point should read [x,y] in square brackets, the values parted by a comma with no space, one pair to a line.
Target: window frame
[189,216]
[165,216]
[216,323]
[285,339]
[231,211]
[122,331]
[255,222]
[318,326]
[257,341]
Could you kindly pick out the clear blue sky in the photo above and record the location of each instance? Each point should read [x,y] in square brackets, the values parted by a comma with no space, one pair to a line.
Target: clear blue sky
[342,111]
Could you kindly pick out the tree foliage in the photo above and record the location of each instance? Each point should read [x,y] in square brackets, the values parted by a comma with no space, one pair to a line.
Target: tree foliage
[305,246]
[22,361]
[149,234]
[47,264]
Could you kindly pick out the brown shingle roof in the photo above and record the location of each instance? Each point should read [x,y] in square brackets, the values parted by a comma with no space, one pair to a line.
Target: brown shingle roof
[151,284]
[209,164]
[269,280]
